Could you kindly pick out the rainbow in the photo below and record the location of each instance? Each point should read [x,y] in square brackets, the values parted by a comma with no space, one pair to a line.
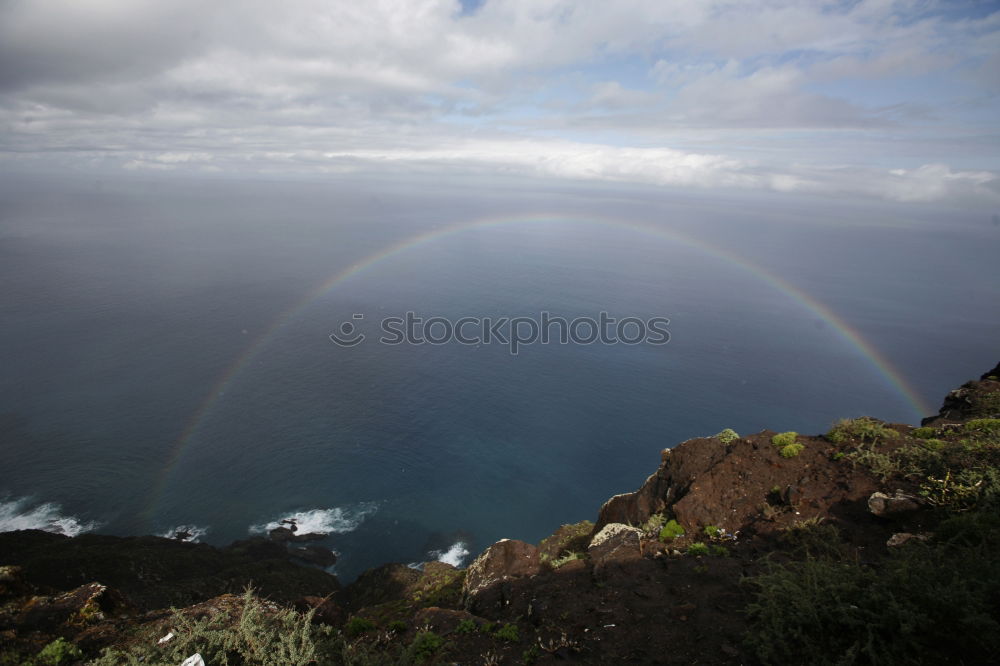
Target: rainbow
[890,375]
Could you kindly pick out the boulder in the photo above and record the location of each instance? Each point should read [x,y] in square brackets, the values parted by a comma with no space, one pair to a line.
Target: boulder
[615,542]
[504,560]
[883,505]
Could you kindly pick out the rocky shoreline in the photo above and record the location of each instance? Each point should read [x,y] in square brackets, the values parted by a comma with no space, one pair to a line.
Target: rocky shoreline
[660,576]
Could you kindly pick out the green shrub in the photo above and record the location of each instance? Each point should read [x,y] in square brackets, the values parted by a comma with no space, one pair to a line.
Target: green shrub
[565,559]
[397,627]
[727,436]
[791,450]
[508,632]
[783,439]
[654,524]
[425,644]
[59,651]
[671,530]
[925,432]
[466,626]
[866,429]
[358,625]
[712,532]
[254,634]
[881,464]
[813,538]
[718,550]
[531,655]
[985,405]
[990,428]
[697,549]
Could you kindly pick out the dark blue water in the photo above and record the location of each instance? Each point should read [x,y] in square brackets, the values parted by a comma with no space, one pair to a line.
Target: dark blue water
[124,306]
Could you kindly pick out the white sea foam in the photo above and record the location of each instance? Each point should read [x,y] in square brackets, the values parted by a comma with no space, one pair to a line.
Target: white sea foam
[195,532]
[20,514]
[454,556]
[337,520]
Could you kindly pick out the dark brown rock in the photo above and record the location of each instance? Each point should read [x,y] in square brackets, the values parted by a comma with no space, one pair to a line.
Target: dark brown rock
[504,560]
[615,542]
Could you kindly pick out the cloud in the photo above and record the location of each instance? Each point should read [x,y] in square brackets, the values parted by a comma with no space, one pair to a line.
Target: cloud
[733,93]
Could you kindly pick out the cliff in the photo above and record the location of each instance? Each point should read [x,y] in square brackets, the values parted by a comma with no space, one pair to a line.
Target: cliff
[871,543]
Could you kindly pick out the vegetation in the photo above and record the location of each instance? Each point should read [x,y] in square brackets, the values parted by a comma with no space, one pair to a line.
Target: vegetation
[425,645]
[783,439]
[927,604]
[253,633]
[698,549]
[568,557]
[466,626]
[508,632]
[864,429]
[358,625]
[712,532]
[791,450]
[59,651]
[958,473]
[727,436]
[654,524]
[985,405]
[787,446]
[671,530]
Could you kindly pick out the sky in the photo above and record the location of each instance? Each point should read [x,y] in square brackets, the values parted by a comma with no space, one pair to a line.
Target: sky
[873,99]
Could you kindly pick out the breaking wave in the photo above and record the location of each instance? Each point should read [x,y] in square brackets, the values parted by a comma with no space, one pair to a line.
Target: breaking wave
[337,520]
[19,514]
[185,533]
[455,556]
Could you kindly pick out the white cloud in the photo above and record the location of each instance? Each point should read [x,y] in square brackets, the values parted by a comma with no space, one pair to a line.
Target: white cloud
[725,93]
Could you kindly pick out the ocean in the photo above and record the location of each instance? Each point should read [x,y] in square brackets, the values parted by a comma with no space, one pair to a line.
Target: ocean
[167,358]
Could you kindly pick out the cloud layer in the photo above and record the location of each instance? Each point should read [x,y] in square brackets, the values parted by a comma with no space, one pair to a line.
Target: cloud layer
[879,98]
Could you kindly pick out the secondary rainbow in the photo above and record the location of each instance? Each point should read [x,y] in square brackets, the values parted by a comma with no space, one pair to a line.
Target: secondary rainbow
[218,389]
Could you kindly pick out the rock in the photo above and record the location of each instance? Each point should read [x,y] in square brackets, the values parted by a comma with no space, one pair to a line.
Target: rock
[500,562]
[317,555]
[636,507]
[87,604]
[281,534]
[884,505]
[615,542]
[259,548]
[308,536]
[286,534]
[325,611]
[902,538]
